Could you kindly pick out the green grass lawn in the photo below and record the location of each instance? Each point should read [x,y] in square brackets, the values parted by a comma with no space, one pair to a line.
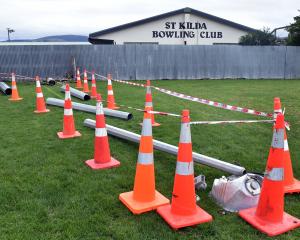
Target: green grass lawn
[47,192]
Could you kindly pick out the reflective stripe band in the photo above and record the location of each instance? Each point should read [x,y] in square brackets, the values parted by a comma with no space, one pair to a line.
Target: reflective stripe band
[68,112]
[100,132]
[38,84]
[185,133]
[67,95]
[145,158]
[93,85]
[147,127]
[286,145]
[109,82]
[110,92]
[276,174]
[184,168]
[278,138]
[85,81]
[99,109]
[39,95]
[13,87]
[148,90]
[148,104]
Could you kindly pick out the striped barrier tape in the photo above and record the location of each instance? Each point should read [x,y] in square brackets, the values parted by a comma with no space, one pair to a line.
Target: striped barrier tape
[200,100]
[230,122]
[193,99]
[214,104]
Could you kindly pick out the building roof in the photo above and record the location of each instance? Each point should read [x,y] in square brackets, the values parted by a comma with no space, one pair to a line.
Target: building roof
[172,13]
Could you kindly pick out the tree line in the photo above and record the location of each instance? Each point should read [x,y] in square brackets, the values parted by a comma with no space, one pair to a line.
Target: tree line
[266,37]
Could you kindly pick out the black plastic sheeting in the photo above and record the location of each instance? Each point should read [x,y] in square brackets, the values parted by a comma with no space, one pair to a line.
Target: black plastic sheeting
[140,61]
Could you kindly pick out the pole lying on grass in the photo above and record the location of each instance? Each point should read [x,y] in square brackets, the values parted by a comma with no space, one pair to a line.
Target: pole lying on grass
[89,108]
[165,147]
[76,93]
[5,88]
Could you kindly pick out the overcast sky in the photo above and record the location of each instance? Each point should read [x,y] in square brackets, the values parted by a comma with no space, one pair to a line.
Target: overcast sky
[39,18]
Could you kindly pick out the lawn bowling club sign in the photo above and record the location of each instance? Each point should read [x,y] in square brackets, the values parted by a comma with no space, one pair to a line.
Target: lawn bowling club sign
[186,30]
[180,27]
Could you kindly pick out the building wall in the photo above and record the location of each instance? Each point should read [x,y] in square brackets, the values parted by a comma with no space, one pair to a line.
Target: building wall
[171,31]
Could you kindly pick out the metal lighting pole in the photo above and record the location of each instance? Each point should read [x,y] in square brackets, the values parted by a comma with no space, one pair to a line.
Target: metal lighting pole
[9,31]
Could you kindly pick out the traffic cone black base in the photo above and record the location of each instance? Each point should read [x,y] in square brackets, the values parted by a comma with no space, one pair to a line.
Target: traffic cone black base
[61,135]
[138,207]
[271,229]
[180,221]
[93,165]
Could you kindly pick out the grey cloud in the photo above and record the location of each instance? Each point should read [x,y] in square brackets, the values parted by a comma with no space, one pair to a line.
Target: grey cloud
[37,18]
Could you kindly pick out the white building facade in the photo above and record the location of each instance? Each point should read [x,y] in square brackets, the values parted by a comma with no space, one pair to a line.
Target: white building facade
[181,27]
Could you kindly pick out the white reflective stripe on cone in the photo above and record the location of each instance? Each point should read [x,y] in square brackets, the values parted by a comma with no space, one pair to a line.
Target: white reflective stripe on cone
[109,82]
[276,174]
[145,158]
[148,104]
[99,109]
[85,81]
[148,90]
[67,95]
[185,168]
[110,92]
[68,112]
[286,145]
[14,87]
[278,138]
[38,84]
[100,132]
[185,133]
[93,85]
[39,95]
[147,127]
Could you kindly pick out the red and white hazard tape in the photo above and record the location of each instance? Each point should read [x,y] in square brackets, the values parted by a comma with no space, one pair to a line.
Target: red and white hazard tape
[230,122]
[200,100]
[214,104]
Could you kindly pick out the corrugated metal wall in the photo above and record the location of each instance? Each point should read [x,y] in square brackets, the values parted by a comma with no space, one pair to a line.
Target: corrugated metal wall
[155,61]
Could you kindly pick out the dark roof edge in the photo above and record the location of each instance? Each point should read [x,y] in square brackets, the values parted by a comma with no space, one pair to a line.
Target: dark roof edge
[172,13]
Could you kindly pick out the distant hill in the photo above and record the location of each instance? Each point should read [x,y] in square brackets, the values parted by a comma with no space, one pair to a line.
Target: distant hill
[63,38]
[56,38]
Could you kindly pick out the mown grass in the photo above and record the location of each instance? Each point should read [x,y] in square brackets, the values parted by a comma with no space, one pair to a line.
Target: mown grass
[47,192]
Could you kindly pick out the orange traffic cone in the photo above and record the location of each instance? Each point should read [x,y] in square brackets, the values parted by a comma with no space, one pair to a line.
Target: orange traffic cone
[102,158]
[269,216]
[40,102]
[144,197]
[78,80]
[14,89]
[69,125]
[94,87]
[148,102]
[291,184]
[183,211]
[110,94]
[85,82]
